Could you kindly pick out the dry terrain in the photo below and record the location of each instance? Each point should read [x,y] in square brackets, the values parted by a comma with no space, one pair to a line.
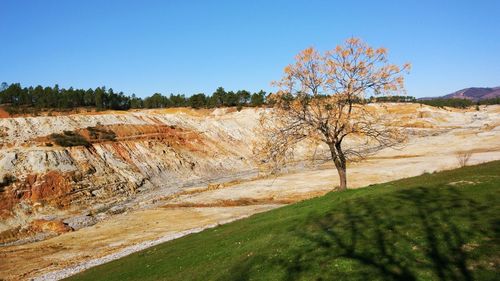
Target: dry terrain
[161,177]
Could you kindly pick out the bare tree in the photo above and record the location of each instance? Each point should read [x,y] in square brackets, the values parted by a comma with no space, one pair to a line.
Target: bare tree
[321,98]
[463,158]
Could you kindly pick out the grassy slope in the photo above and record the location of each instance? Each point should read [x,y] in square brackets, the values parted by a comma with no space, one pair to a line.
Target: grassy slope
[417,228]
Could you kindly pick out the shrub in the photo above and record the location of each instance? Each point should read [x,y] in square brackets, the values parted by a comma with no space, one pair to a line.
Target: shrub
[69,138]
[463,158]
[490,101]
[101,134]
[442,102]
[7,180]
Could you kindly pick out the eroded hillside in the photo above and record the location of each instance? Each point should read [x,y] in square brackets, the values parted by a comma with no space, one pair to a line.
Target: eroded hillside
[138,152]
[129,159]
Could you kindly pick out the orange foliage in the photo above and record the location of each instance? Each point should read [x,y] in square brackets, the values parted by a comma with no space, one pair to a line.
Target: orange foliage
[321,98]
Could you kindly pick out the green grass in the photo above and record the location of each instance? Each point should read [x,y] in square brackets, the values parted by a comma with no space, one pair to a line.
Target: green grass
[442,226]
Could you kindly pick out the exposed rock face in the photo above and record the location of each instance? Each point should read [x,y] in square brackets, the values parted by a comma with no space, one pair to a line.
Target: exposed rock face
[137,156]
[150,149]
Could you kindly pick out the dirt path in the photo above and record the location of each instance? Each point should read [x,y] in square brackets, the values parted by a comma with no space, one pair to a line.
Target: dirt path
[111,237]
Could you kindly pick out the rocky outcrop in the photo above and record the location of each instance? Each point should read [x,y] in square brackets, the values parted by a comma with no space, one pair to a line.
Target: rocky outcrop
[41,225]
[129,154]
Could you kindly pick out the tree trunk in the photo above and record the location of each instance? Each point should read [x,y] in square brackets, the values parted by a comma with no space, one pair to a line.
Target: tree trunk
[343,178]
[340,163]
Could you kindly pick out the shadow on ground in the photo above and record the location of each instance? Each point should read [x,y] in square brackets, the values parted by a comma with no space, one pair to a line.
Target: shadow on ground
[415,234]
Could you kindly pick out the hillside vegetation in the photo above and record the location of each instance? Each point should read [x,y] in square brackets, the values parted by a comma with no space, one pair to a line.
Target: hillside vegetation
[442,226]
[18,100]
[32,100]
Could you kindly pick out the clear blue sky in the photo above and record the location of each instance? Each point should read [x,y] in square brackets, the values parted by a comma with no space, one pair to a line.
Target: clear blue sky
[187,47]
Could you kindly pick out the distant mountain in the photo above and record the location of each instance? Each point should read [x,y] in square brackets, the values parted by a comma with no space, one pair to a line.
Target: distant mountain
[473,93]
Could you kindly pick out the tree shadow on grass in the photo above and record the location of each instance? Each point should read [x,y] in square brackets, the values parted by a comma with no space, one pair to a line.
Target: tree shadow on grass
[420,233]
